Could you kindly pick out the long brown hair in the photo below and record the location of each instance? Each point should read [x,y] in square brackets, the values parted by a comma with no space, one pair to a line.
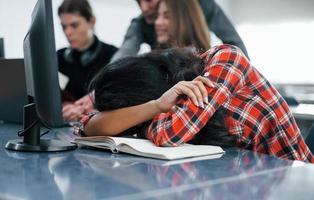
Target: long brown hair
[188,26]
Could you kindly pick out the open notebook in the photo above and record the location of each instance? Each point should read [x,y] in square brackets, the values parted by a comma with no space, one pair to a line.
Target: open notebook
[146,148]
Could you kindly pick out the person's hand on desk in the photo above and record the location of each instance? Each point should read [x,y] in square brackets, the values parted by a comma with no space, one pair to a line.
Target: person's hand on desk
[86,102]
[72,112]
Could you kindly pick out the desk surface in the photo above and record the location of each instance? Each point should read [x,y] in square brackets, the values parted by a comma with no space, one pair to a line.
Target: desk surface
[89,174]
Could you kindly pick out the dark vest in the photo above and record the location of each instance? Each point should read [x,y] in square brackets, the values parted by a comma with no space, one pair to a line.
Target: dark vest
[81,67]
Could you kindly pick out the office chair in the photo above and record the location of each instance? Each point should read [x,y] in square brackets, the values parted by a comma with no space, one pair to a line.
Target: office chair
[309,140]
[291,101]
[1,48]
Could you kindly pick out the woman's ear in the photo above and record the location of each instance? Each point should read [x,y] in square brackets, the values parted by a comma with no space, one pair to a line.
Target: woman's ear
[93,21]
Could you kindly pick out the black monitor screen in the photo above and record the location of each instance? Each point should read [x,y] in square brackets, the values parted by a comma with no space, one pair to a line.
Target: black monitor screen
[41,68]
[1,48]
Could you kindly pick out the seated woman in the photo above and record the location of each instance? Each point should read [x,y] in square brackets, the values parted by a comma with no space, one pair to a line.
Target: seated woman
[176,96]
[80,61]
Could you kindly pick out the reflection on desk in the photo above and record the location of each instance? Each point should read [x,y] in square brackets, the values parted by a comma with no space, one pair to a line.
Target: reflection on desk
[88,174]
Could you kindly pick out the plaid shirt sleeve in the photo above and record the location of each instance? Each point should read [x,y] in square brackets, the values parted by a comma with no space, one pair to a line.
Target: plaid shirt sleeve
[227,68]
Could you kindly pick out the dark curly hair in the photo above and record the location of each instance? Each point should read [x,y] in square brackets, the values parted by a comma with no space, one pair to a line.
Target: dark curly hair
[135,80]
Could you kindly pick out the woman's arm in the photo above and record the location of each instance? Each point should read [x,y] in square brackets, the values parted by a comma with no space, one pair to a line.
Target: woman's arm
[116,121]
[227,69]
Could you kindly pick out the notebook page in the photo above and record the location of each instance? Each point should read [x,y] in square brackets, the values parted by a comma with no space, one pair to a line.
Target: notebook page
[147,148]
[97,141]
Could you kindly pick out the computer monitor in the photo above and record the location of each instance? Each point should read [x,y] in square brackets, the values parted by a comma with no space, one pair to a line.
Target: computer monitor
[1,48]
[41,73]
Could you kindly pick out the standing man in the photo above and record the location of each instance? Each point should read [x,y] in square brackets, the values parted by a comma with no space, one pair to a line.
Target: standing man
[142,30]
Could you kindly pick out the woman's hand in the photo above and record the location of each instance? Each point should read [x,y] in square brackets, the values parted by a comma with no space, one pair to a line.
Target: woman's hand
[195,90]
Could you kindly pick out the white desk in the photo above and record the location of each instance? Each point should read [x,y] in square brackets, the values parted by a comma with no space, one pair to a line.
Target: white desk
[88,174]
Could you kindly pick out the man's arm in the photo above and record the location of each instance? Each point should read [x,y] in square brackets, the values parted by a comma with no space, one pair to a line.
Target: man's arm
[218,22]
[132,40]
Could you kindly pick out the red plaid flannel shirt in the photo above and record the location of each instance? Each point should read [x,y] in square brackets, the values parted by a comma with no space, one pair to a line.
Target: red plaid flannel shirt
[256,113]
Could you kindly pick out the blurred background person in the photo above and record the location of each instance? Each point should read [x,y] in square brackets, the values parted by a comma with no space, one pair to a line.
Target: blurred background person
[82,59]
[142,30]
[182,24]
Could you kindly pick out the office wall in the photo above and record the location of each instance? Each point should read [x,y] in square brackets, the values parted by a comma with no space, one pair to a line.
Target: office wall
[279,37]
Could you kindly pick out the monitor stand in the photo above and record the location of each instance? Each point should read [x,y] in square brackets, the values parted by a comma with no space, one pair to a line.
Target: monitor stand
[31,135]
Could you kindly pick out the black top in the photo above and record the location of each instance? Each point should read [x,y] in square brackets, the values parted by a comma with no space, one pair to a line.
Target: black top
[81,66]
